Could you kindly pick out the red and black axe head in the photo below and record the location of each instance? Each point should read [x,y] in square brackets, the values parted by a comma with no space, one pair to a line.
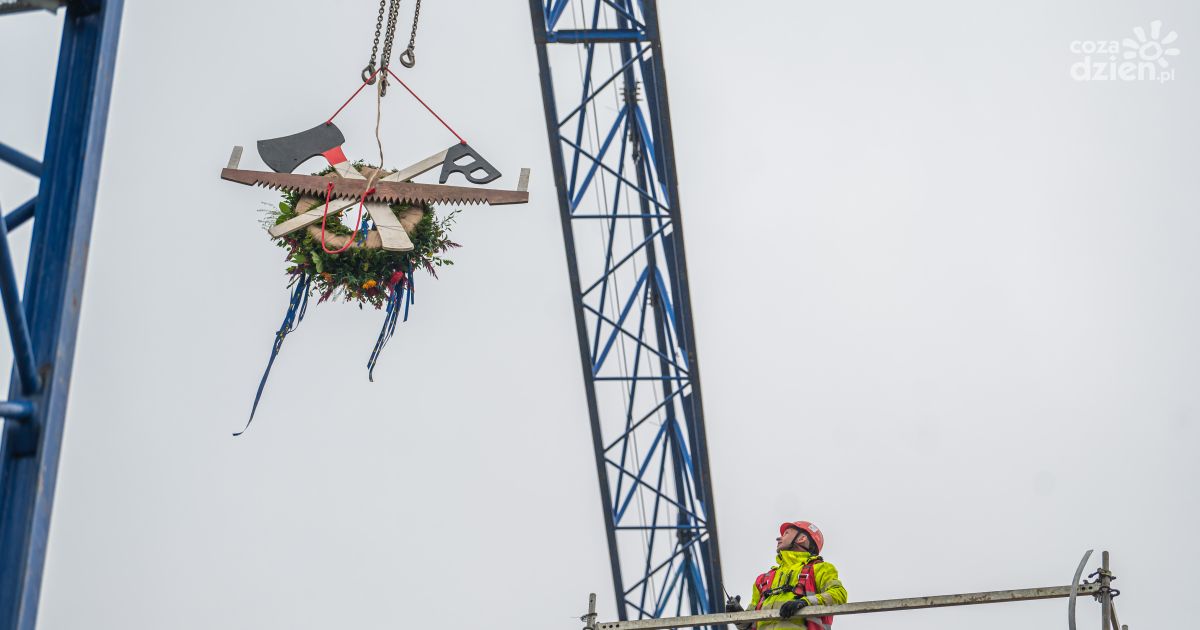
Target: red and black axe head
[284,154]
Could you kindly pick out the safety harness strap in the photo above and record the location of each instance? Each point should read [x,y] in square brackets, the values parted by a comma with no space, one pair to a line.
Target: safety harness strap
[805,584]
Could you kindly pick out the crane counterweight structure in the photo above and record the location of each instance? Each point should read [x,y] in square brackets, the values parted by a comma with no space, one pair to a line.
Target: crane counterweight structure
[613,159]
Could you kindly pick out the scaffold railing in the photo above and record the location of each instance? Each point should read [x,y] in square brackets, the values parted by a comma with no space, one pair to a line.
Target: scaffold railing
[1097,586]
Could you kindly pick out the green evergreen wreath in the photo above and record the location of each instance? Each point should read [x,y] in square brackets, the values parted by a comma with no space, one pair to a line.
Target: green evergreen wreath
[361,274]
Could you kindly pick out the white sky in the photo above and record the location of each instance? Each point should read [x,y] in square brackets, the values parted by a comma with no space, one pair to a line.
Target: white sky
[945,296]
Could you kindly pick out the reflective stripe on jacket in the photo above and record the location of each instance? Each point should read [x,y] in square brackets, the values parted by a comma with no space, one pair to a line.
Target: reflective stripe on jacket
[783,581]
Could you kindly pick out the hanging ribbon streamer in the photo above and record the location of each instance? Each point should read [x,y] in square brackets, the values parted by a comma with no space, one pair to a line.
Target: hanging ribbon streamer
[362,232]
[402,293]
[412,289]
[295,314]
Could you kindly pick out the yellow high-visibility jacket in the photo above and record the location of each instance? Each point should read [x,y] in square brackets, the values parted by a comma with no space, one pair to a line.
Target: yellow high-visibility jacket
[829,589]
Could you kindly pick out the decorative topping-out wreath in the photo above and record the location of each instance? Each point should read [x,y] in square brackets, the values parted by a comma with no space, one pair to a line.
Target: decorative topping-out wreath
[372,259]
[364,272]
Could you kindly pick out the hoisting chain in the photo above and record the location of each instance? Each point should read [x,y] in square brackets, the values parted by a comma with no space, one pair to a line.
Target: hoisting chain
[407,58]
[368,73]
[386,59]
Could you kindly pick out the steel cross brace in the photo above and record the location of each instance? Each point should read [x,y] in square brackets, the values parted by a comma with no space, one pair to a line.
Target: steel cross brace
[618,195]
[43,323]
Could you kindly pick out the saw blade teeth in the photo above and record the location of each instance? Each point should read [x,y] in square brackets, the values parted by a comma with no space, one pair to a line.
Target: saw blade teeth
[408,193]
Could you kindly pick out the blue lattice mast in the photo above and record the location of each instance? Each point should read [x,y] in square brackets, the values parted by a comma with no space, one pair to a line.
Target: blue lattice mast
[44,322]
[618,196]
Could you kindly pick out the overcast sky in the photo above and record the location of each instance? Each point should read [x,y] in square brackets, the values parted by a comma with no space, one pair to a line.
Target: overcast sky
[949,290]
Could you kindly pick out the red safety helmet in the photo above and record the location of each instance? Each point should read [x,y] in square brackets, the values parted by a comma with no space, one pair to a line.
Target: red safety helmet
[808,528]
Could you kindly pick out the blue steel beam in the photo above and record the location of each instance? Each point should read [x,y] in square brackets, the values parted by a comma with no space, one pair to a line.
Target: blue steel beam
[20,160]
[598,36]
[70,170]
[16,410]
[18,327]
[614,167]
[23,213]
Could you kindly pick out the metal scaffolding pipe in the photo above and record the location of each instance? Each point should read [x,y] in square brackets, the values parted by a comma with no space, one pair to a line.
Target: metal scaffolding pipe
[1105,595]
[883,605]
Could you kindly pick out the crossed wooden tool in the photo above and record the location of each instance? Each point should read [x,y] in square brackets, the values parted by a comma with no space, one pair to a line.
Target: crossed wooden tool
[284,154]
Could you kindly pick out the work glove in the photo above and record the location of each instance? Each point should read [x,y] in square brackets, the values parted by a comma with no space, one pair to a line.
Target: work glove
[792,606]
[734,604]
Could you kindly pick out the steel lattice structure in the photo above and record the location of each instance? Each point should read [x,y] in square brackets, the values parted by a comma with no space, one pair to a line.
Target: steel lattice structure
[43,321]
[618,196]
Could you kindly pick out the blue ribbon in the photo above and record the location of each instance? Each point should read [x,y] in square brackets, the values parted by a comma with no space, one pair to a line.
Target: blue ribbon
[412,285]
[400,294]
[362,231]
[295,314]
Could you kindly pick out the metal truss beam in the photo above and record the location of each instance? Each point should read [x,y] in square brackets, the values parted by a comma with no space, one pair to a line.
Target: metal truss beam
[618,195]
[43,323]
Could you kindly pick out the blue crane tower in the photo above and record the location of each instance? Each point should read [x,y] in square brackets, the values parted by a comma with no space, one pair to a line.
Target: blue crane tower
[42,321]
[618,197]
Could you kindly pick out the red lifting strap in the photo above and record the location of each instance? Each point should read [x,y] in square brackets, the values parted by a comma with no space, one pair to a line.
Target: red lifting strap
[410,91]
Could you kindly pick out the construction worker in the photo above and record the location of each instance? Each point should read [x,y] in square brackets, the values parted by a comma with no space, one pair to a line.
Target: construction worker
[799,578]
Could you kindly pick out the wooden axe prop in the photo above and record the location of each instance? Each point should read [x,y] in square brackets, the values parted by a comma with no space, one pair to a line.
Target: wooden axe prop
[284,154]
